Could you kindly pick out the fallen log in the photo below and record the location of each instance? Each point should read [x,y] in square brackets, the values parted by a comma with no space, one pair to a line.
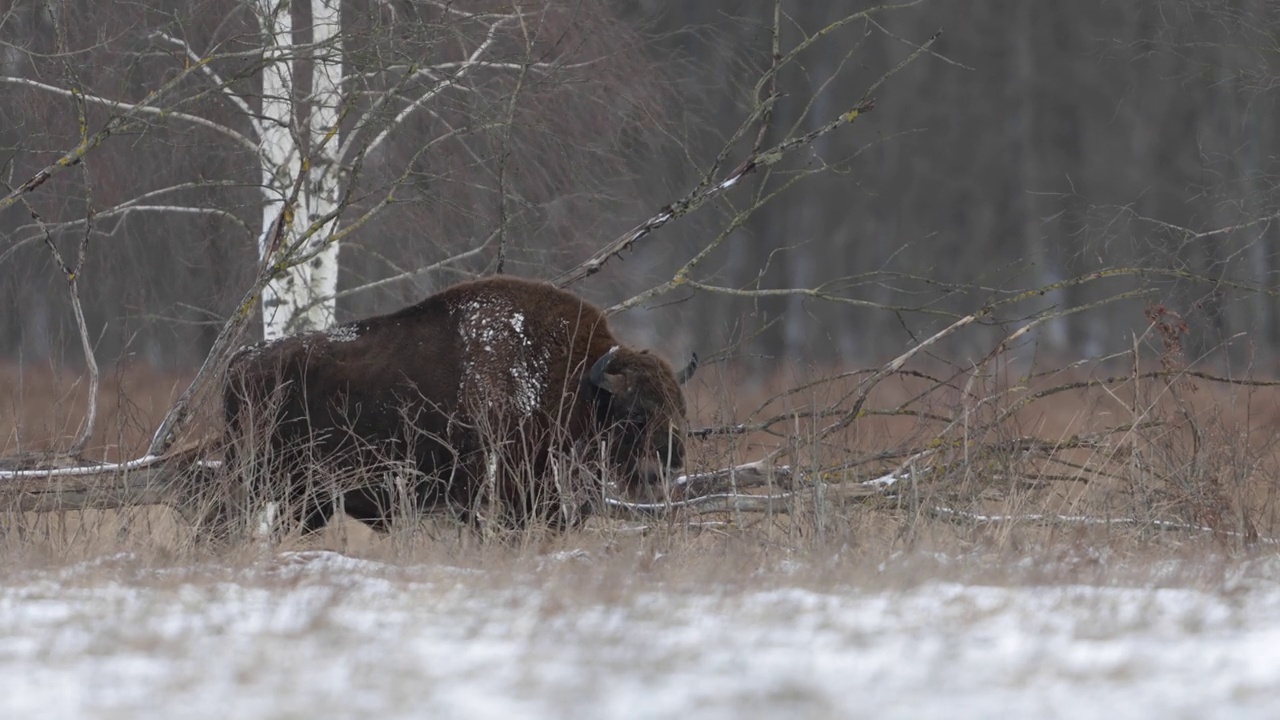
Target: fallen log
[39,483]
[720,491]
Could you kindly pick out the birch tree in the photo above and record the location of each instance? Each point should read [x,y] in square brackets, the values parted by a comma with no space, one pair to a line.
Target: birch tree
[302,299]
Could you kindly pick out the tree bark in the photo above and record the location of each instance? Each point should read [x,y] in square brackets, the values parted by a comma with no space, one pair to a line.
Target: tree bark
[301,296]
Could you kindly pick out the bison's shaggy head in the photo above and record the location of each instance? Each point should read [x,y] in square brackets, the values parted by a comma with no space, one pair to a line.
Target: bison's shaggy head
[641,407]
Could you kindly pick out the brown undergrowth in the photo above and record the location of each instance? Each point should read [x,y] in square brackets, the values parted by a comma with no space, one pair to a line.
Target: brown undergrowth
[1073,464]
[1148,454]
[43,405]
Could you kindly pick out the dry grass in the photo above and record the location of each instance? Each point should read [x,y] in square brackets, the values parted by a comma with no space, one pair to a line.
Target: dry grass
[42,407]
[1195,454]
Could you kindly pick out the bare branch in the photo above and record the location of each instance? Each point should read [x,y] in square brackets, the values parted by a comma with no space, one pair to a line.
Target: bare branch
[122,211]
[130,110]
[947,513]
[779,503]
[72,276]
[217,80]
[421,271]
[117,122]
[428,95]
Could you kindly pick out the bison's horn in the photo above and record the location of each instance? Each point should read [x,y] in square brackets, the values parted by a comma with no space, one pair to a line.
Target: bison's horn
[597,375]
[683,376]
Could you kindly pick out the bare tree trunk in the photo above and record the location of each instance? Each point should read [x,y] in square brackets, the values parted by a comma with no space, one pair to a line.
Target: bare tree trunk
[281,162]
[1023,87]
[322,193]
[301,298]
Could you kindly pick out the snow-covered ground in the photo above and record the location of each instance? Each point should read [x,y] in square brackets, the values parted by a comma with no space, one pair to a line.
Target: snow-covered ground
[318,635]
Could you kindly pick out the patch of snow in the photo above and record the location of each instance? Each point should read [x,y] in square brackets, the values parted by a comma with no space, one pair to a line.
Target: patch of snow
[884,481]
[497,347]
[343,333]
[527,383]
[340,635]
[321,564]
[255,349]
[564,556]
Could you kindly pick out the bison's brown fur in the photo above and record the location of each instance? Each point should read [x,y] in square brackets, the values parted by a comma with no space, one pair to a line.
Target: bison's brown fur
[499,393]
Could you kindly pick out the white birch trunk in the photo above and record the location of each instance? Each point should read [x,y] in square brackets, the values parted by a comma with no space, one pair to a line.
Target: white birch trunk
[281,160]
[323,181]
[302,299]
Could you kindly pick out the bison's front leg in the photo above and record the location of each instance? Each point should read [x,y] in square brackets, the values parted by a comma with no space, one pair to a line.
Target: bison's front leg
[472,492]
[284,494]
[523,487]
[273,516]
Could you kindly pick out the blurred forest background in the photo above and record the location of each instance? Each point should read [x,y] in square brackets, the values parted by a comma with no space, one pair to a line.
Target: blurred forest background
[1035,143]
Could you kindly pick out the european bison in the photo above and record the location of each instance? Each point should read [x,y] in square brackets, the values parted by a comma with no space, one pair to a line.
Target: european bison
[497,397]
